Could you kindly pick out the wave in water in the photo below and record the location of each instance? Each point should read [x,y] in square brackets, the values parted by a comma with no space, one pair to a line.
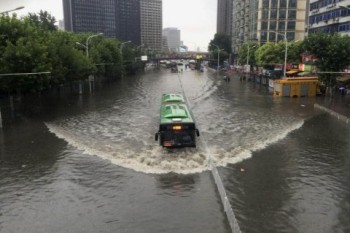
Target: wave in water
[137,150]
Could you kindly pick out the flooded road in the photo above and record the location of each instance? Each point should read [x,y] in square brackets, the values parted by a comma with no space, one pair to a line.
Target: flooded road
[89,163]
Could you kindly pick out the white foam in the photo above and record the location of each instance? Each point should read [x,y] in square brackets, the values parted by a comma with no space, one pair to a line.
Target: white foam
[151,158]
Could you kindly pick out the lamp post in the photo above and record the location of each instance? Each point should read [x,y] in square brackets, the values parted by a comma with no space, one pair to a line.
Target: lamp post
[121,53]
[87,43]
[16,9]
[248,55]
[86,46]
[285,51]
[218,56]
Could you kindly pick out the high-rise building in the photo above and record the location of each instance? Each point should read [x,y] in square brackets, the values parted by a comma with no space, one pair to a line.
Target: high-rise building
[138,21]
[173,38]
[128,26]
[329,16]
[268,20]
[151,24]
[224,17]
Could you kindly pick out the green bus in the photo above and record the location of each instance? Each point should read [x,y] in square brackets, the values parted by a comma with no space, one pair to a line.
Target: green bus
[177,127]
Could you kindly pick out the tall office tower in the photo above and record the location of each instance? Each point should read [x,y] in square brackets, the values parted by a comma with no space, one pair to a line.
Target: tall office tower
[329,16]
[151,24]
[139,21]
[128,26]
[268,20]
[173,38]
[224,17]
[90,16]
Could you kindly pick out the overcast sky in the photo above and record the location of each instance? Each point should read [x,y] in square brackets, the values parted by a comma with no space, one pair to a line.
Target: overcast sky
[195,18]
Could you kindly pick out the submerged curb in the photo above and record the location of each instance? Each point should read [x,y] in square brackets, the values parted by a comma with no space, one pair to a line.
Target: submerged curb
[333,113]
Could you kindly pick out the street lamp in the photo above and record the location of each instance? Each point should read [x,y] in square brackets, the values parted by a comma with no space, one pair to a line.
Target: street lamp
[285,51]
[121,52]
[218,56]
[249,54]
[16,9]
[86,45]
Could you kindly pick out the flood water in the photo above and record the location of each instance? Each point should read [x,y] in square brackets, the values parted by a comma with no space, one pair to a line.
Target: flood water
[71,163]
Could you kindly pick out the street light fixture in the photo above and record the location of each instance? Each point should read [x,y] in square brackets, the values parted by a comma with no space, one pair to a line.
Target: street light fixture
[87,42]
[86,46]
[218,56]
[121,52]
[16,9]
[248,55]
[285,51]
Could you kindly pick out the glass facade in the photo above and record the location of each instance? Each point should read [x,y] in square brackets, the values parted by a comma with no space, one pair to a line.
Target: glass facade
[114,18]
[278,17]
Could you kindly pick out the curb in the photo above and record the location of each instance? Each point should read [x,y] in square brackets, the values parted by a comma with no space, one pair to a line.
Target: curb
[333,113]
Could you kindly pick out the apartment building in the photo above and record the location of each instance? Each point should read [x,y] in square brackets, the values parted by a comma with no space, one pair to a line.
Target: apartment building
[329,16]
[268,20]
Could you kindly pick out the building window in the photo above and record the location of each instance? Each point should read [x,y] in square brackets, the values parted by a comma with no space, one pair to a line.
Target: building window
[282,14]
[281,25]
[283,3]
[291,25]
[273,25]
[265,3]
[292,3]
[292,14]
[264,25]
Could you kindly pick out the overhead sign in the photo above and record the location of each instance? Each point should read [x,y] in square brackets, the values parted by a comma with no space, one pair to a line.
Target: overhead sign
[144,58]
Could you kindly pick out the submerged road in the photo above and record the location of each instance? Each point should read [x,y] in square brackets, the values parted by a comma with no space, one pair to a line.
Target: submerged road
[89,163]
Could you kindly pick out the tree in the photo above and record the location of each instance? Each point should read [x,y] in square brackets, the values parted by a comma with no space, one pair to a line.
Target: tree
[271,53]
[267,54]
[332,52]
[243,52]
[220,47]
[223,41]
[42,20]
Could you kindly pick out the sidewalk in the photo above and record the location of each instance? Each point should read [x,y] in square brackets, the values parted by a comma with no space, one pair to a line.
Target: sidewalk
[337,105]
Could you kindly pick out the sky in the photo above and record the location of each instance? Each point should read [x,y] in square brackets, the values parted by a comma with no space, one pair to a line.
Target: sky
[196,19]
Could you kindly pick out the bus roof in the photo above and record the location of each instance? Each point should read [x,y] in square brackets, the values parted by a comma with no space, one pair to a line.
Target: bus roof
[178,98]
[175,113]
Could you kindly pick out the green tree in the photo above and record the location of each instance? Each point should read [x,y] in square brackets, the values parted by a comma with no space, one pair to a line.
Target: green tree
[271,53]
[222,42]
[42,20]
[243,52]
[68,62]
[332,52]
[267,54]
